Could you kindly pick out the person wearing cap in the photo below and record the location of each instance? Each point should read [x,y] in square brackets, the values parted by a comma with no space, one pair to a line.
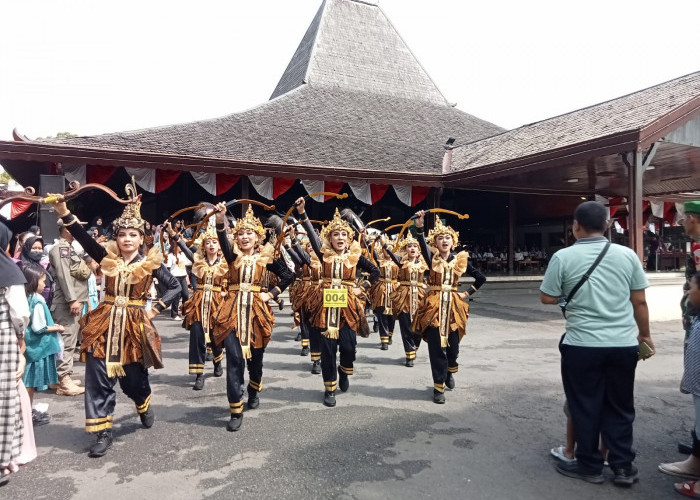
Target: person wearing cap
[691,225]
[70,274]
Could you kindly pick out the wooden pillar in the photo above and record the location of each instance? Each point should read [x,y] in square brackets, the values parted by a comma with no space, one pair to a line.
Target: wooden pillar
[511,233]
[635,204]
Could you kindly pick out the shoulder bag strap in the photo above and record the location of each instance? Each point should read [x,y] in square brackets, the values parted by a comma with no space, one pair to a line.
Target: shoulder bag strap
[585,277]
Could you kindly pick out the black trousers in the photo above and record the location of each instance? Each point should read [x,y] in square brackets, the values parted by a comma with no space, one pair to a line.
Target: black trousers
[304,328]
[599,387]
[314,340]
[235,372]
[411,341]
[198,349]
[442,359]
[184,293]
[100,397]
[386,324]
[346,343]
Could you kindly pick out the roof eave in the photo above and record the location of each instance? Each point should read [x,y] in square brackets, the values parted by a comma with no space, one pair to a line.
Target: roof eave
[601,146]
[61,153]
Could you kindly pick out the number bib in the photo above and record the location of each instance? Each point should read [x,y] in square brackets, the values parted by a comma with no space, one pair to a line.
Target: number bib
[335,297]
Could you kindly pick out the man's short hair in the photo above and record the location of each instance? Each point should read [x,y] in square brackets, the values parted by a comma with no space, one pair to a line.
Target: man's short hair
[592,216]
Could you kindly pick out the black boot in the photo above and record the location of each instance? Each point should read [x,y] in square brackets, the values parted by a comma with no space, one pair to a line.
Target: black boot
[343,382]
[147,418]
[209,356]
[298,337]
[409,362]
[305,350]
[218,369]
[198,382]
[384,346]
[450,381]
[235,423]
[316,367]
[329,398]
[391,339]
[438,397]
[103,443]
[253,399]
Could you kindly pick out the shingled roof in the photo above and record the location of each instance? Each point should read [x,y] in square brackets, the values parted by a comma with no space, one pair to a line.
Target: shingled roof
[352,96]
[641,115]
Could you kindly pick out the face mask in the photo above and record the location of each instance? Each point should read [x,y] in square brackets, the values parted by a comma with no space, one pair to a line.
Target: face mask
[36,256]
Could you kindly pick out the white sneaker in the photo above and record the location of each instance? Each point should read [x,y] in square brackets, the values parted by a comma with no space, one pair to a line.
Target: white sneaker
[558,453]
[176,318]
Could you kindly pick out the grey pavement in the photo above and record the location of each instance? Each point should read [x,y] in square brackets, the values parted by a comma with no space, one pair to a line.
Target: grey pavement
[385,439]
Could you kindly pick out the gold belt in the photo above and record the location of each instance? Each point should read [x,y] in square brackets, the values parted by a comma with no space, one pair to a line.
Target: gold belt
[443,288]
[120,300]
[410,283]
[337,282]
[306,279]
[213,288]
[385,280]
[244,287]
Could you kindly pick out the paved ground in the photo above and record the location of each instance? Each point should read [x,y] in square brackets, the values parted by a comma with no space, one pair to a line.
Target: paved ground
[385,439]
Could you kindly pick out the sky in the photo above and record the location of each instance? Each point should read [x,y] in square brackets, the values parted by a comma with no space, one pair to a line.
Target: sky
[90,67]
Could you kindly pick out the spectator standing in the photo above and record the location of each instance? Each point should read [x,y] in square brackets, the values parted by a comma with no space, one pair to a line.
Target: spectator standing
[606,320]
[71,274]
[177,265]
[41,339]
[14,316]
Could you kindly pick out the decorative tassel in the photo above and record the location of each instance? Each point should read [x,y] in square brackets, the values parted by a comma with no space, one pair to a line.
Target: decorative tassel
[331,333]
[247,354]
[443,341]
[115,370]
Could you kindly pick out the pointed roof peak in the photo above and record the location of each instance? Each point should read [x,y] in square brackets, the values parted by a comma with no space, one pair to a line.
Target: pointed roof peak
[352,45]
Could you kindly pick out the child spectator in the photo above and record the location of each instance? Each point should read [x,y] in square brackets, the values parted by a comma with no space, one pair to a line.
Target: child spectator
[42,341]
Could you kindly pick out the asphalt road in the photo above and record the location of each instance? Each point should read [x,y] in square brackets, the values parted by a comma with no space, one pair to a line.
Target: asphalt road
[384,439]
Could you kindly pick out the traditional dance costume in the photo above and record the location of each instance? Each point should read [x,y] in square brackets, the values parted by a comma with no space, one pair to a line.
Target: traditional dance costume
[243,322]
[119,341]
[380,297]
[201,309]
[408,293]
[442,315]
[338,326]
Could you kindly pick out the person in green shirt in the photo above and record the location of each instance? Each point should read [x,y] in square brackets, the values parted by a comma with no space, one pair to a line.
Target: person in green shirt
[606,320]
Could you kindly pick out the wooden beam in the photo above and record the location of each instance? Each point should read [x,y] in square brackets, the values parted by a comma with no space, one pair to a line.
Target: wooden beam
[511,233]
[635,190]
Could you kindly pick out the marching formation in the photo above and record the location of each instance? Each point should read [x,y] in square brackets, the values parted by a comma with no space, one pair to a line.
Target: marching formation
[338,272]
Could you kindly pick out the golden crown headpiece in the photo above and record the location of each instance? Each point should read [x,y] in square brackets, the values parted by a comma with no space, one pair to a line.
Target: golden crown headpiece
[337,224]
[250,221]
[407,240]
[439,229]
[131,216]
[210,232]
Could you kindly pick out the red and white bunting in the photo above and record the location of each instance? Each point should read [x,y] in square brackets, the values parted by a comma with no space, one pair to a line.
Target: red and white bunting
[318,186]
[75,173]
[263,185]
[314,187]
[411,195]
[145,178]
[368,194]
[207,181]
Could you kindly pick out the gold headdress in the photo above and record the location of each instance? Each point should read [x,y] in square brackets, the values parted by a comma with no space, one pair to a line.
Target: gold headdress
[439,229]
[208,234]
[337,224]
[131,216]
[407,240]
[250,221]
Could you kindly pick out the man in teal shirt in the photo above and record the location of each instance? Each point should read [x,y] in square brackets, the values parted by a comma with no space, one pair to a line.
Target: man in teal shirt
[606,320]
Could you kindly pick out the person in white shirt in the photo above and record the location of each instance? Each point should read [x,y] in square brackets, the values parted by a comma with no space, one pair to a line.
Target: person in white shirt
[177,263]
